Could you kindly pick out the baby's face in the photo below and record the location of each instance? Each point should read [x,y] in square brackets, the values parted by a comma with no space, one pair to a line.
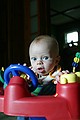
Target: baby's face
[42,58]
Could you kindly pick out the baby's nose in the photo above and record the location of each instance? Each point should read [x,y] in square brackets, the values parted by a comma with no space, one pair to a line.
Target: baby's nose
[39,62]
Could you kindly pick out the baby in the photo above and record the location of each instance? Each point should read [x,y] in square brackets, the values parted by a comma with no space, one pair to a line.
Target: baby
[44,58]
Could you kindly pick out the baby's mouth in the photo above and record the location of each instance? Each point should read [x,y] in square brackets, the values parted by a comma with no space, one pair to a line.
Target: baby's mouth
[40,70]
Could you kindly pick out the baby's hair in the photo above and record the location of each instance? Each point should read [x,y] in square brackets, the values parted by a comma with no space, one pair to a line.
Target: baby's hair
[51,40]
[45,37]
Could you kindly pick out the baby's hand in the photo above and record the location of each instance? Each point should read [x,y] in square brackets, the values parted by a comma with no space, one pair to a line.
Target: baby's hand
[58,76]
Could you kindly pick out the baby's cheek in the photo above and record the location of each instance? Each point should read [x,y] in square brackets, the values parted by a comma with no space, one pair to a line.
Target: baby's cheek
[34,68]
[51,66]
[48,67]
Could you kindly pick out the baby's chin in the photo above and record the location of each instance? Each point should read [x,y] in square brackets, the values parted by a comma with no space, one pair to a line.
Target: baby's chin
[43,74]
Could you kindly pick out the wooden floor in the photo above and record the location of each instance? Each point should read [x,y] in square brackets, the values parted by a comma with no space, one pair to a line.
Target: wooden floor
[5,117]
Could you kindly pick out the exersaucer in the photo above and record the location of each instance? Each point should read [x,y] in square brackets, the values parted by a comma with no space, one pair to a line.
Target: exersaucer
[18,101]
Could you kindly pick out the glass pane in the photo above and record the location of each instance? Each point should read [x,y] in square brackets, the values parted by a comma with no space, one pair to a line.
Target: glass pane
[33,7]
[73,36]
[34,24]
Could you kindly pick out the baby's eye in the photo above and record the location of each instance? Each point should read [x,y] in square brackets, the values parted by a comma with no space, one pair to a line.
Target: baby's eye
[34,58]
[45,58]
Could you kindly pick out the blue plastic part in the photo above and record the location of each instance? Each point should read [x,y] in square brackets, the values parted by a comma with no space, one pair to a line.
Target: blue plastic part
[31,118]
[14,68]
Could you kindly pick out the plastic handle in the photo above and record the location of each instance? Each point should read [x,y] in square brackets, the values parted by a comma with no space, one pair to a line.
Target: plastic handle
[14,68]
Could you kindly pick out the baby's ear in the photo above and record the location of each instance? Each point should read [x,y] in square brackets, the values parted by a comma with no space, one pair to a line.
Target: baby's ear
[57,60]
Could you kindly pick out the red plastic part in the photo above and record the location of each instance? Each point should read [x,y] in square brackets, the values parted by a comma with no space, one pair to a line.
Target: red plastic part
[17,101]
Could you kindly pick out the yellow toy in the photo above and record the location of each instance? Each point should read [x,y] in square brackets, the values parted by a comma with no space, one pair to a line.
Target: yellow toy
[70,78]
[74,76]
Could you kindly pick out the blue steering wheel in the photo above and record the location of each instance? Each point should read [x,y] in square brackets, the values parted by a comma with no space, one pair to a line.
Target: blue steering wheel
[14,70]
